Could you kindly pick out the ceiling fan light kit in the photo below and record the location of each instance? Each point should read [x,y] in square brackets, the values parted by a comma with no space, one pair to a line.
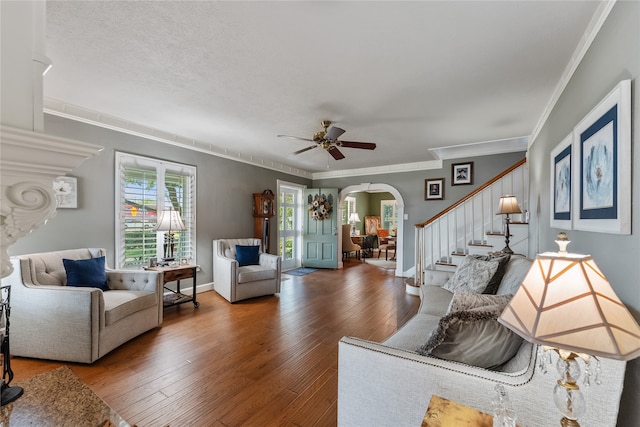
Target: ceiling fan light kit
[328,140]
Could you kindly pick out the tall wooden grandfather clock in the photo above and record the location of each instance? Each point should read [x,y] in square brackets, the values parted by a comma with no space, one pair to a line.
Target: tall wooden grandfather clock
[264,208]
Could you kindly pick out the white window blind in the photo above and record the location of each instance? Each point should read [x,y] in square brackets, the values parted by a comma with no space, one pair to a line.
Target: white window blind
[145,187]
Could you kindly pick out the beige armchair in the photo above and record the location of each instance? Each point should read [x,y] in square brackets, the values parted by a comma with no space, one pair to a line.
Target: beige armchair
[235,282]
[51,320]
[347,244]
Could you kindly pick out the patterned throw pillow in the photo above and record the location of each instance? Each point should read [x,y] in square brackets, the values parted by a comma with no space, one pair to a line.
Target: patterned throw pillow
[473,275]
[465,301]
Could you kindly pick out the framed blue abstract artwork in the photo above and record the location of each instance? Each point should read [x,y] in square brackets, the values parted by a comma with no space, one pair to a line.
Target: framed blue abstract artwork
[602,165]
[561,184]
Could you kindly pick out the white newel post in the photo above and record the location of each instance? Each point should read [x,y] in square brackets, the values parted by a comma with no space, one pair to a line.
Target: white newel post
[29,159]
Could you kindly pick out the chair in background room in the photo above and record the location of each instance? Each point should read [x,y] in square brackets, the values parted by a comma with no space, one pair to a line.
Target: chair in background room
[385,243]
[347,244]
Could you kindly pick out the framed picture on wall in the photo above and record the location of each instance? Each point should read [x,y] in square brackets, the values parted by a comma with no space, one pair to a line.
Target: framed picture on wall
[66,190]
[602,165]
[434,189]
[462,173]
[560,194]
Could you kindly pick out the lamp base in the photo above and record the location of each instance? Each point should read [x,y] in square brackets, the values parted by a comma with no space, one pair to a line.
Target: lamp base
[507,250]
[566,422]
[9,394]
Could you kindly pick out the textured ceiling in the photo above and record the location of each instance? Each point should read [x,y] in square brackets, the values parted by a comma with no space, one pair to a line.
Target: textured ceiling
[408,76]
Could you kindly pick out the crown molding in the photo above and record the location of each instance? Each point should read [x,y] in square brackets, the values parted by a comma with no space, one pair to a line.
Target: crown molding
[84,115]
[379,170]
[598,19]
[486,148]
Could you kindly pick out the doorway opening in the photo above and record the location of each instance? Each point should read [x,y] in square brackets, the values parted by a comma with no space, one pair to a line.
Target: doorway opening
[399,207]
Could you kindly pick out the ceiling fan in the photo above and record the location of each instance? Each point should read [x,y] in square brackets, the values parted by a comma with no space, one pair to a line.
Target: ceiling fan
[328,139]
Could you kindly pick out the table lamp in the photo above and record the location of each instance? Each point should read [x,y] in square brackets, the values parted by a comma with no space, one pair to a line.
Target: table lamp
[353,218]
[169,222]
[566,304]
[508,205]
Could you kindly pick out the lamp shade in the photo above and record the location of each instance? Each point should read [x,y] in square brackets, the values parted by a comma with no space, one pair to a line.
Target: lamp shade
[170,220]
[508,205]
[354,217]
[566,302]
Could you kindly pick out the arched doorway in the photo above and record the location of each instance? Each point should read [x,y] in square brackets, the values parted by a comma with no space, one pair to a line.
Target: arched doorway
[368,187]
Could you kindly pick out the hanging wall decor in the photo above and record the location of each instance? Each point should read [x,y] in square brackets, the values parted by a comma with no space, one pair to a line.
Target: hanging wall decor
[66,189]
[560,193]
[602,166]
[320,206]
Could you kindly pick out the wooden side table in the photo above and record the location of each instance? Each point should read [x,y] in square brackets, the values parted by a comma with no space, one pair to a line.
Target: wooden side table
[176,274]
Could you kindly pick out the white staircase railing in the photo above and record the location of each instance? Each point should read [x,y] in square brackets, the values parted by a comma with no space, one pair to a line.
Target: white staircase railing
[471,224]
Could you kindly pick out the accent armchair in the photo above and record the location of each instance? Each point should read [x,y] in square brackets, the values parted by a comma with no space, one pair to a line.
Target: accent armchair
[236,282]
[347,244]
[51,319]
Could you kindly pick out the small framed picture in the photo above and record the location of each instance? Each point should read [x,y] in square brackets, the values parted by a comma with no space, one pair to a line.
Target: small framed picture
[462,173]
[66,190]
[184,261]
[434,189]
[153,262]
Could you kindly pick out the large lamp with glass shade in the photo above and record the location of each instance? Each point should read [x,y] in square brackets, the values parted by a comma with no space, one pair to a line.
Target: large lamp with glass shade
[566,305]
[169,222]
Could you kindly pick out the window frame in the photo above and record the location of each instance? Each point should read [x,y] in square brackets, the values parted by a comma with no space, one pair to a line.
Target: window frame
[187,238]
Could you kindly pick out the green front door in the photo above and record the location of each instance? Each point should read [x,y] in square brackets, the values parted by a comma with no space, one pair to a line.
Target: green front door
[320,233]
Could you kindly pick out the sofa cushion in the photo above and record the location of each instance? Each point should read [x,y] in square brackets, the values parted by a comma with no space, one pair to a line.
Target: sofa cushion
[119,304]
[473,275]
[465,301]
[473,337]
[89,273]
[434,300]
[517,269]
[412,334]
[251,273]
[247,255]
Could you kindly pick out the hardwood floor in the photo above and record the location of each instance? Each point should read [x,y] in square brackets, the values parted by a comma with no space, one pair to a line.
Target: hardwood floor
[266,361]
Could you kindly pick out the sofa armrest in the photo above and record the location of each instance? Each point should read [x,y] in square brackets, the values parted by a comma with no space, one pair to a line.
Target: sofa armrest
[75,326]
[436,277]
[380,385]
[271,261]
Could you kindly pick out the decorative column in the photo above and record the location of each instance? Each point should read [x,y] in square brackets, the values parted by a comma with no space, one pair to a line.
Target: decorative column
[29,159]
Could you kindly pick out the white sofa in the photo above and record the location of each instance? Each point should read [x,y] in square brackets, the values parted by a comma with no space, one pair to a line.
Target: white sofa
[50,320]
[236,283]
[390,384]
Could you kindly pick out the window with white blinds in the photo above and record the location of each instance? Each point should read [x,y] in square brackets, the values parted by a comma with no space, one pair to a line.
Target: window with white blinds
[145,187]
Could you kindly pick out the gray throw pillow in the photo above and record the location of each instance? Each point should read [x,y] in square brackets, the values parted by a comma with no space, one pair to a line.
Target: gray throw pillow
[473,275]
[473,337]
[465,301]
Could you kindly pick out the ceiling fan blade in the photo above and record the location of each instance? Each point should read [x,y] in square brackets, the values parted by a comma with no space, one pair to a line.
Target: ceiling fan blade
[295,137]
[354,144]
[337,154]
[305,149]
[334,133]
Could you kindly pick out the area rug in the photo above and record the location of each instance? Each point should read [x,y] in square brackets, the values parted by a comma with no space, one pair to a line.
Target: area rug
[60,398]
[381,263]
[300,271]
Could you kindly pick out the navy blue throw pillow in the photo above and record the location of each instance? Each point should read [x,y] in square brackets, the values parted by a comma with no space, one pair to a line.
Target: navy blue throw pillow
[86,273]
[248,255]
